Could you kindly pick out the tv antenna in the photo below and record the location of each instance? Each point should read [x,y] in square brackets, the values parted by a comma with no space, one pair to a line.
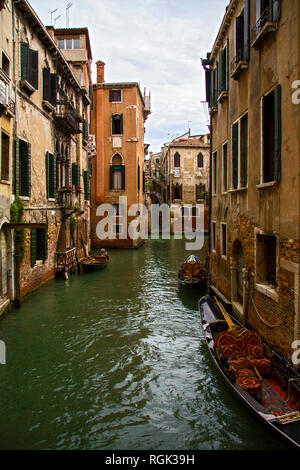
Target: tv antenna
[52,12]
[68,14]
[56,19]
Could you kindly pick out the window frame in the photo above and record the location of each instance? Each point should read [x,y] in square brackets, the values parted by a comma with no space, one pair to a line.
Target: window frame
[2,179]
[222,245]
[225,188]
[261,283]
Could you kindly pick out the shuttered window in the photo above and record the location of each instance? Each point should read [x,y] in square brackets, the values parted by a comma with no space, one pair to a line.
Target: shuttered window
[39,245]
[86,182]
[215,172]
[244,151]
[22,168]
[272,136]
[235,154]
[4,157]
[49,86]
[200,160]
[75,175]
[225,167]
[223,70]
[29,65]
[51,175]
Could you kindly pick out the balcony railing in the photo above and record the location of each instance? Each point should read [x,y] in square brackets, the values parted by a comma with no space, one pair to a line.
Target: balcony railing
[263,26]
[65,260]
[67,118]
[238,64]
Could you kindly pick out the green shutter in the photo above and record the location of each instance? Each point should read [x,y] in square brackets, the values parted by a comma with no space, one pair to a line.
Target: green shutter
[44,243]
[77,175]
[277,133]
[86,181]
[235,154]
[17,167]
[25,163]
[33,247]
[24,48]
[28,169]
[47,175]
[54,176]
[245,150]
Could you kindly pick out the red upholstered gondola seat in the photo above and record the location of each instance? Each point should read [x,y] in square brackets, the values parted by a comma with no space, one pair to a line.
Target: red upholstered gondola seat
[236,344]
[247,377]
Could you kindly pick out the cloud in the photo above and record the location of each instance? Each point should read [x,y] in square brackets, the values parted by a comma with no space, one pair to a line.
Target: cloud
[157,43]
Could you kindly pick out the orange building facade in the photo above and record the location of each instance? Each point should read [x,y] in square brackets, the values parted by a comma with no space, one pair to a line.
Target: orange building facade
[117,120]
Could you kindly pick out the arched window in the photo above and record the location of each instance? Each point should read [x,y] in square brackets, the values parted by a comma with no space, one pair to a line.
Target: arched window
[177,191]
[117,124]
[200,160]
[177,160]
[117,173]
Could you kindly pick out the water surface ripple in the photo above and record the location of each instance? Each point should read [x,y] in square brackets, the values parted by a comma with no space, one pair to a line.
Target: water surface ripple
[114,360]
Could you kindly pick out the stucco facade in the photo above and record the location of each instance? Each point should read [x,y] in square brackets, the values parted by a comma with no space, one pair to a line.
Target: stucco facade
[254,259]
[118,117]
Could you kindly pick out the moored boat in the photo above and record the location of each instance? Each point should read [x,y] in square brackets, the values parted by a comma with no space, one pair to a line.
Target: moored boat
[193,272]
[94,263]
[256,374]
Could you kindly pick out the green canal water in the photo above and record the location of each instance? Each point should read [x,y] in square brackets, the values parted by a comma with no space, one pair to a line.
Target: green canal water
[114,360]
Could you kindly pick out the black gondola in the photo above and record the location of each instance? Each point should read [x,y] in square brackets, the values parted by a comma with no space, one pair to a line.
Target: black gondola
[193,273]
[94,263]
[261,379]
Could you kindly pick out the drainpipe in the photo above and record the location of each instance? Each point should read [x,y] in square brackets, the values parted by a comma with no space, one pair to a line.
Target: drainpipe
[16,258]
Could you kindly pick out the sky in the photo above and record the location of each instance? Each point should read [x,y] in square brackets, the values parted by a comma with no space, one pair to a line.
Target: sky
[157,43]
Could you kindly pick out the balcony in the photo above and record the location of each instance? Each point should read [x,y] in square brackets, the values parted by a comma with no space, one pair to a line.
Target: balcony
[65,260]
[265,25]
[70,200]
[4,92]
[147,108]
[66,118]
[238,65]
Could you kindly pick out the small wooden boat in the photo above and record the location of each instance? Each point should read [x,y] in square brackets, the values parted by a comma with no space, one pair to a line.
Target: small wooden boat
[256,374]
[193,273]
[94,263]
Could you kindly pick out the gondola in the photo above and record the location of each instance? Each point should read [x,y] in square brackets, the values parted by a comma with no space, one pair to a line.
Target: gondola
[256,374]
[193,273]
[94,263]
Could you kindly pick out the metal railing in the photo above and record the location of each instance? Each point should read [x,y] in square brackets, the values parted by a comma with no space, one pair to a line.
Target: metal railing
[65,110]
[267,16]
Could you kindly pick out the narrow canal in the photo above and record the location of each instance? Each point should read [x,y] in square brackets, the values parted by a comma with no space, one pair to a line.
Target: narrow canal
[114,360]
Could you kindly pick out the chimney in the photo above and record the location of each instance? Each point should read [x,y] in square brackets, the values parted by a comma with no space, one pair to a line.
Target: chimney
[100,71]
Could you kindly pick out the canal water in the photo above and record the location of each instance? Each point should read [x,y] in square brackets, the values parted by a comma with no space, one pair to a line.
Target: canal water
[114,360]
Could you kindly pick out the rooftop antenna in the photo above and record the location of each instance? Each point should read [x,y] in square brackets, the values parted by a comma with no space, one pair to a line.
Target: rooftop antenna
[52,15]
[56,19]
[68,14]
[189,122]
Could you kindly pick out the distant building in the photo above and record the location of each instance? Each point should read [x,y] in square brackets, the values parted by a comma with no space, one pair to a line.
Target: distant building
[255,216]
[185,173]
[119,113]
[7,114]
[49,161]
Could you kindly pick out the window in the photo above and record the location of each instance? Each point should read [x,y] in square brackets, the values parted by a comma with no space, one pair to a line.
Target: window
[178,191]
[117,124]
[39,245]
[115,96]
[224,240]
[225,168]
[267,11]
[177,160]
[117,174]
[138,177]
[213,236]
[200,160]
[50,175]
[5,64]
[271,124]
[214,86]
[240,153]
[49,86]
[215,172]
[157,160]
[29,66]
[223,70]
[70,43]
[266,259]
[86,183]
[4,157]
[22,168]
[75,175]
